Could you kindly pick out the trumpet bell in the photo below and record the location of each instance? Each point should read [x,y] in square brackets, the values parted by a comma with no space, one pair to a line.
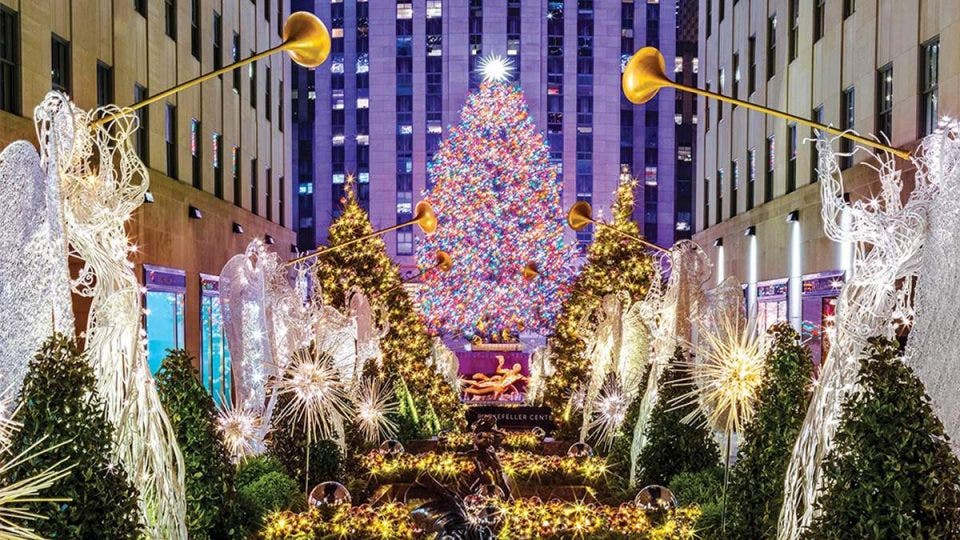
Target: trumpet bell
[306,39]
[424,216]
[644,75]
[530,271]
[580,215]
[444,261]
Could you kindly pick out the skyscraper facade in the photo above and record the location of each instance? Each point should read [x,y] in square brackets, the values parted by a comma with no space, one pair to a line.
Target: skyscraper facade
[400,71]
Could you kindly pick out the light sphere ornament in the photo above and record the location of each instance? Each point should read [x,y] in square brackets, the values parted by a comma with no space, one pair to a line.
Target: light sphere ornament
[496,68]
[655,497]
[391,448]
[329,494]
[539,433]
[580,450]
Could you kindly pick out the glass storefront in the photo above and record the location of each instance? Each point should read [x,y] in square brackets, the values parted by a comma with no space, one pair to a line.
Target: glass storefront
[214,354]
[163,301]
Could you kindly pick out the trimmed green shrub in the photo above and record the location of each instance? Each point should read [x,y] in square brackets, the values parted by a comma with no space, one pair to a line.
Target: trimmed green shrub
[756,484]
[674,446]
[253,467]
[208,472]
[263,486]
[289,445]
[705,489]
[59,404]
[891,473]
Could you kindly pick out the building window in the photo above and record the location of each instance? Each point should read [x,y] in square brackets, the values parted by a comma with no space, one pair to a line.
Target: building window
[104,84]
[706,203]
[170,18]
[9,60]
[214,353]
[217,41]
[816,116]
[722,11]
[237,187]
[791,158]
[751,177]
[734,186]
[163,313]
[752,67]
[706,109]
[280,108]
[771,46]
[170,136]
[818,19]
[847,120]
[770,164]
[267,94]
[254,191]
[722,84]
[217,143]
[143,119]
[268,176]
[849,6]
[236,58]
[266,9]
[282,199]
[793,41]
[929,85]
[736,76]
[252,74]
[60,63]
[196,147]
[719,195]
[709,16]
[885,102]
[140,6]
[195,28]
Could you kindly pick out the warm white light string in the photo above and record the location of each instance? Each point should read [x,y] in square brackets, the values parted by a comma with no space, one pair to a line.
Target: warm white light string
[102,183]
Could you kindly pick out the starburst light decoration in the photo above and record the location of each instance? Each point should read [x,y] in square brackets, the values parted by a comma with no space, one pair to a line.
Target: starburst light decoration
[240,429]
[609,412]
[497,68]
[14,517]
[318,398]
[374,402]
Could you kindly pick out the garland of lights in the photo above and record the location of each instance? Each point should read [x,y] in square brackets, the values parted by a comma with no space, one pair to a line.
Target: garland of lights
[497,201]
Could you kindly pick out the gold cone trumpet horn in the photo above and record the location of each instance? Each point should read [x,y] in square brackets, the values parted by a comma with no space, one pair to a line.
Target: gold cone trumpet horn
[530,271]
[581,215]
[423,217]
[444,261]
[645,74]
[305,39]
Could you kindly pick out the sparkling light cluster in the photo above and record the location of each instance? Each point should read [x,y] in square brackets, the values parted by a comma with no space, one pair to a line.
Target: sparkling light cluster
[513,440]
[239,428]
[374,402]
[497,201]
[318,399]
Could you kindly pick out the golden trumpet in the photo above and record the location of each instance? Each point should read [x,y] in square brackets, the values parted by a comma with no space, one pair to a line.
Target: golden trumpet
[305,38]
[581,215]
[444,261]
[530,271]
[423,217]
[645,74]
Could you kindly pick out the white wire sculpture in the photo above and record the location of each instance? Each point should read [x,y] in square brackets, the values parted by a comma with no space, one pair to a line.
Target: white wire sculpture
[673,312]
[935,337]
[541,369]
[34,279]
[445,363]
[372,326]
[102,184]
[888,235]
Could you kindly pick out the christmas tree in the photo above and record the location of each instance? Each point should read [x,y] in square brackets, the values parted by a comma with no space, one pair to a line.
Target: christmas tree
[406,347]
[756,483]
[60,406]
[674,446]
[614,263]
[497,201]
[891,473]
[209,474]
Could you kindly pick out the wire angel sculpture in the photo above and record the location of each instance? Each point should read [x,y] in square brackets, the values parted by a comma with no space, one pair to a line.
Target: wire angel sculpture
[887,235]
[670,313]
[372,326]
[34,278]
[541,369]
[102,183]
[445,363]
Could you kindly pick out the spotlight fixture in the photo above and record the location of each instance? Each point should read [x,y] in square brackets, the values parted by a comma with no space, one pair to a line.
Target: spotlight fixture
[267,239]
[793,216]
[750,231]
[237,228]
[718,242]
[194,212]
[148,197]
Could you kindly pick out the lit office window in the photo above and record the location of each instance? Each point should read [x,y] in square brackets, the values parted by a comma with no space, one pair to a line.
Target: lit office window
[214,354]
[885,102]
[929,85]
[163,304]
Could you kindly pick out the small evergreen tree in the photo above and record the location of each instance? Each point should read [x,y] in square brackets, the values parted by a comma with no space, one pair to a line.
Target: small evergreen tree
[614,263]
[59,404]
[674,446]
[891,473]
[209,473]
[407,346]
[755,493]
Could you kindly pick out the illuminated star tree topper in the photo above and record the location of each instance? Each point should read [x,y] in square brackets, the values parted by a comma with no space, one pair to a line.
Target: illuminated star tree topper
[497,200]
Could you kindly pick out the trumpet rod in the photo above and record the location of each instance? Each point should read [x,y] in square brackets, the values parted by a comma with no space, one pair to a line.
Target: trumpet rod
[328,249]
[192,82]
[903,154]
[639,239]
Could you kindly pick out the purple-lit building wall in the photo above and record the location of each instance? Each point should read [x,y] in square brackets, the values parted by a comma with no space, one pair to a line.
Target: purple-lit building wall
[400,70]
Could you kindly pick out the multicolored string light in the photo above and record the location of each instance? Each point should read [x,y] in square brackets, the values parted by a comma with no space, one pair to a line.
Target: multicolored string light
[497,200]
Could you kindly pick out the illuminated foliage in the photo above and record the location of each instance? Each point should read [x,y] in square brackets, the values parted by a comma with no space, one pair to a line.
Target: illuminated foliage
[613,264]
[497,200]
[406,347]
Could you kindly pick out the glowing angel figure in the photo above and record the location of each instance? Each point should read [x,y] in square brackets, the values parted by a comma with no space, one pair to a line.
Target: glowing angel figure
[336,334]
[888,236]
[672,317]
[372,326]
[445,363]
[102,183]
[602,342]
[34,279]
[541,369]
